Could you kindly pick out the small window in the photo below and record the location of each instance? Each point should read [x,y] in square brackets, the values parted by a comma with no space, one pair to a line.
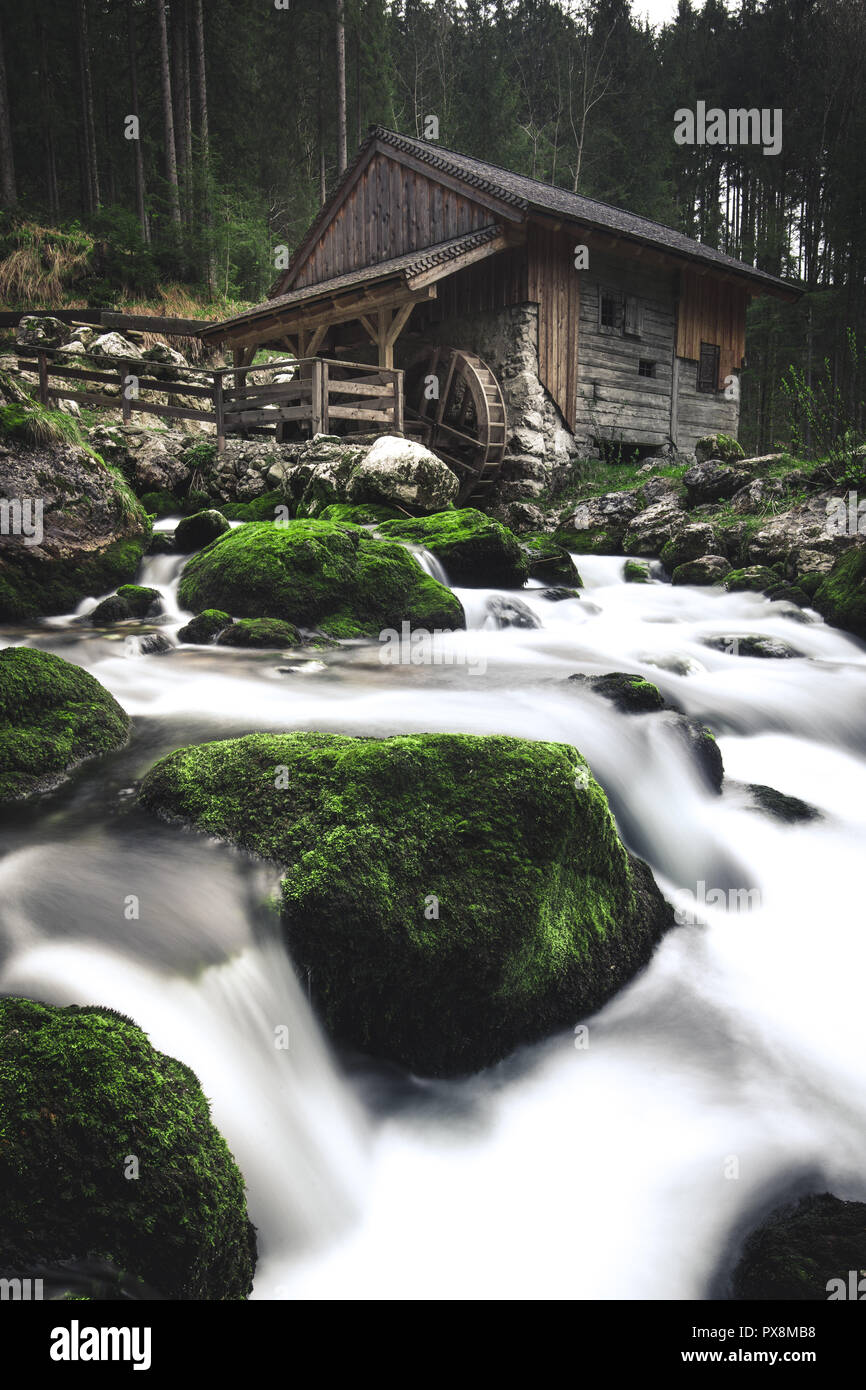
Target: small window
[646,368]
[632,319]
[607,311]
[708,367]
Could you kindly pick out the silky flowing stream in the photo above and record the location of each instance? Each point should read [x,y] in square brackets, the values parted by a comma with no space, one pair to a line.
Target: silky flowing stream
[623,1160]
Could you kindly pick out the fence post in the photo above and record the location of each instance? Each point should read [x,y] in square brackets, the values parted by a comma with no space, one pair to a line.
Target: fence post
[125,406]
[326,411]
[43,378]
[219,411]
[316,396]
[398,402]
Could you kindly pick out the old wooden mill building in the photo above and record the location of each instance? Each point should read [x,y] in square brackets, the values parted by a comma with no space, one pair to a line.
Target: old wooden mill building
[426,263]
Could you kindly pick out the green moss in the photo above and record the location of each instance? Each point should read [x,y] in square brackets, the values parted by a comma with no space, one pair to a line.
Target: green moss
[810,582]
[33,589]
[204,628]
[451,896]
[636,572]
[194,532]
[719,446]
[139,598]
[260,509]
[755,579]
[800,1248]
[317,574]
[161,503]
[549,561]
[594,540]
[52,716]
[34,424]
[259,632]
[81,1092]
[631,694]
[474,549]
[841,597]
[362,514]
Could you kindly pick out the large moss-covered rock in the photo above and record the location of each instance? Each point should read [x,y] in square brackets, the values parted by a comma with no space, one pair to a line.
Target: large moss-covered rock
[199,530]
[549,561]
[53,715]
[259,632]
[108,1152]
[474,549]
[754,579]
[90,537]
[317,574]
[805,1251]
[450,896]
[841,597]
[205,627]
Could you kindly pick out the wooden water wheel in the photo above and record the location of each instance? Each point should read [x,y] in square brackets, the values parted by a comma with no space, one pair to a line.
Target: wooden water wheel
[461,418]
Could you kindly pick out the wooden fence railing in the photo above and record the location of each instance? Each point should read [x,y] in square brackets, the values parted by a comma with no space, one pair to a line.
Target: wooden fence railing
[319,392]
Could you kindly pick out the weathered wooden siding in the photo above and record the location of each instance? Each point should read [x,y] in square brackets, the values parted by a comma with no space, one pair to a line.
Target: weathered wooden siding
[614,402]
[554,285]
[390,210]
[699,412]
[712,311]
[495,283]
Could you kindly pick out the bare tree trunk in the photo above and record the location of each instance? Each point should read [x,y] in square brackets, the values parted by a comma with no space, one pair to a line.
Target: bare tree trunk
[342,158]
[322,187]
[8,191]
[167,116]
[90,166]
[204,140]
[140,206]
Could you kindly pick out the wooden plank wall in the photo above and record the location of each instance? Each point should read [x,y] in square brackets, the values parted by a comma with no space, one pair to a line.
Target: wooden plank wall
[494,283]
[554,284]
[613,397]
[712,311]
[390,210]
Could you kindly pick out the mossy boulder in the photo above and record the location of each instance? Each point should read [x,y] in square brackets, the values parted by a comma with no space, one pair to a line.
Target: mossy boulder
[755,579]
[113,609]
[262,508]
[549,561]
[143,602]
[753,644]
[359,514]
[841,597]
[259,632]
[804,1251]
[709,569]
[636,572]
[447,896]
[83,1097]
[474,549]
[811,581]
[89,537]
[631,694]
[53,716]
[198,530]
[204,628]
[719,446]
[317,574]
[789,809]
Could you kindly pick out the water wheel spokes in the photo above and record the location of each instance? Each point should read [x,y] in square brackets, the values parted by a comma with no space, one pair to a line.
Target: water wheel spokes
[462,418]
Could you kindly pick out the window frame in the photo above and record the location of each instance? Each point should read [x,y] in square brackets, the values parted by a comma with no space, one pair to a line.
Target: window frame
[706,383]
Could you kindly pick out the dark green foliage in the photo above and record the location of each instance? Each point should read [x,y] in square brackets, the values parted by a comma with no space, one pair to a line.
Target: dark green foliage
[799,1248]
[82,1090]
[260,509]
[451,896]
[841,596]
[317,574]
[359,514]
[31,590]
[52,716]
[474,549]
[161,503]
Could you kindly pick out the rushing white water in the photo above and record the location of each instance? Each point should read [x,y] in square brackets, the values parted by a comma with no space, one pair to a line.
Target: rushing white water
[726,1073]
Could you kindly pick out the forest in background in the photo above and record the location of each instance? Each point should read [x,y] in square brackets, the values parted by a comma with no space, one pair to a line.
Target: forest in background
[247,111]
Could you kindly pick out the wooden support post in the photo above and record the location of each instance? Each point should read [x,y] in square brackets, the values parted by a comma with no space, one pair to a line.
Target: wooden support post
[398,402]
[220,413]
[316,396]
[386,348]
[43,378]
[125,406]
[324,387]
